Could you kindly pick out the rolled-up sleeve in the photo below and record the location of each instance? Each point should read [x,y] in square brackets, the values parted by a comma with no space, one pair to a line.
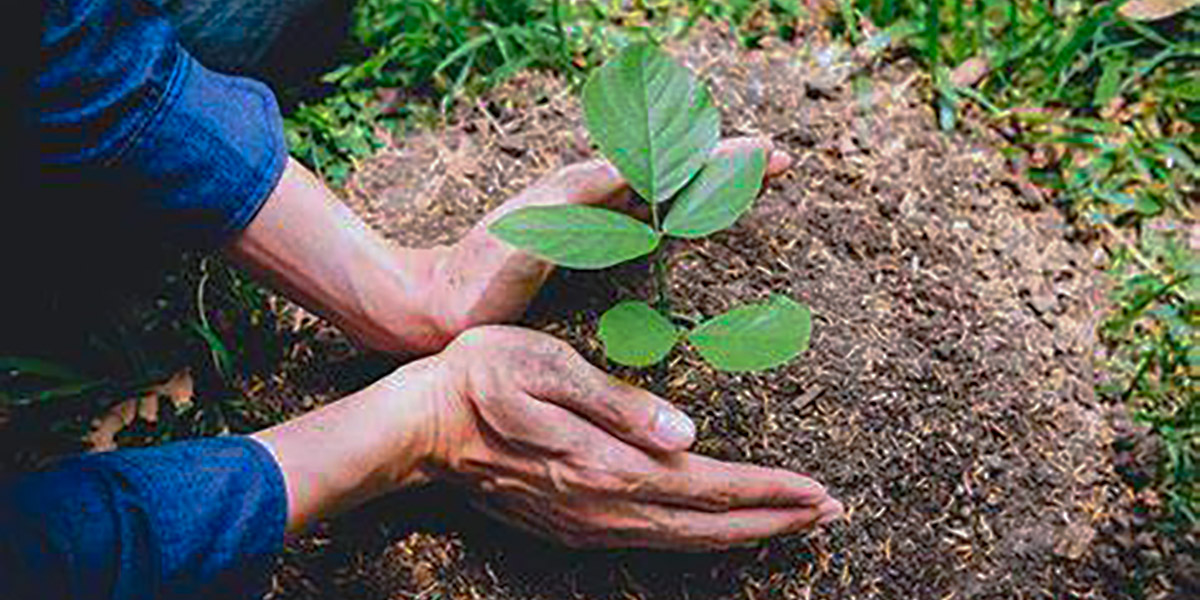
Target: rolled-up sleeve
[198,519]
[122,105]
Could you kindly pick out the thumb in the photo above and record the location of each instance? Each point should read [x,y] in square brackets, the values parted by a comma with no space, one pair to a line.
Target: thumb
[623,410]
[635,416]
[593,181]
[597,182]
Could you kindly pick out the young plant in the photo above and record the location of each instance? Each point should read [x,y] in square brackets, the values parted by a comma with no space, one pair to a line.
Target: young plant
[657,125]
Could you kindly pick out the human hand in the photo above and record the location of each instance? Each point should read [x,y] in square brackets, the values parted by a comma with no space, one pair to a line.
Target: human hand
[555,446]
[486,281]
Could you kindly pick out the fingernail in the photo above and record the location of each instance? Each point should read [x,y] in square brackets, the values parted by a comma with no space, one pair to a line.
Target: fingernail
[673,428]
[832,514]
[778,161]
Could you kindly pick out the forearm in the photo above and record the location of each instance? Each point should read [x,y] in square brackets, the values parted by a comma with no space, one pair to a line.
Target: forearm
[363,446]
[313,248]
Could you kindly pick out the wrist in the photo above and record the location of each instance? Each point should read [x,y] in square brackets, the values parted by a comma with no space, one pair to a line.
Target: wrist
[392,326]
[368,444]
[421,392]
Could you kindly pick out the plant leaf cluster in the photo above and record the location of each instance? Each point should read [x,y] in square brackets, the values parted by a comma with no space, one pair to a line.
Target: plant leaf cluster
[656,123]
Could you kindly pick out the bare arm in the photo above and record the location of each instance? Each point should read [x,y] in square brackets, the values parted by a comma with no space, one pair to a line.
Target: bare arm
[309,245]
[360,447]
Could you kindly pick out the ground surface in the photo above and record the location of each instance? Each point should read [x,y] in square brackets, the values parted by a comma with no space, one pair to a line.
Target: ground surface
[946,398]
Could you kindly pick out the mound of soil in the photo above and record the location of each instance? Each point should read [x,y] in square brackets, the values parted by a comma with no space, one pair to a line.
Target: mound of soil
[946,398]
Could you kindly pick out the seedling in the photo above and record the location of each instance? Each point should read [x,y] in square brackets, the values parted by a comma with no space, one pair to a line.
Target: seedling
[655,122]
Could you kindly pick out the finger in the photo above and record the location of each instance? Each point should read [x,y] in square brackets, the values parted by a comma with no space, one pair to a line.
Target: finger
[831,510]
[701,483]
[608,525]
[613,523]
[627,412]
[603,466]
[778,161]
[590,182]
[715,485]
[599,183]
[704,531]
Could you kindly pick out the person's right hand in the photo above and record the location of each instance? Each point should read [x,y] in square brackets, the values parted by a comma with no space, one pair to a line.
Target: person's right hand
[553,445]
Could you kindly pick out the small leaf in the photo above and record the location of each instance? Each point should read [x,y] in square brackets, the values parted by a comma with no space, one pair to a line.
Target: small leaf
[579,237]
[1147,205]
[652,119]
[1151,10]
[1188,89]
[946,105]
[754,337]
[724,189]
[1109,83]
[636,335]
[38,367]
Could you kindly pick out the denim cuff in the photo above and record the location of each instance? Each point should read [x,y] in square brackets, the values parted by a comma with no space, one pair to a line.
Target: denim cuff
[211,155]
[216,510]
[188,520]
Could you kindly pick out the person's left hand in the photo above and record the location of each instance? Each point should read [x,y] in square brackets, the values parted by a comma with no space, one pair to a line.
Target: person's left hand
[483,280]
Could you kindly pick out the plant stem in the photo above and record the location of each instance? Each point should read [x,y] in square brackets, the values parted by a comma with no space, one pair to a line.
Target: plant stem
[562,35]
[658,383]
[660,276]
[662,303]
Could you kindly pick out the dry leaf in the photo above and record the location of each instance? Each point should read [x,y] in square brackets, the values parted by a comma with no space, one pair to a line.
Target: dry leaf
[1074,541]
[970,71]
[179,389]
[1151,10]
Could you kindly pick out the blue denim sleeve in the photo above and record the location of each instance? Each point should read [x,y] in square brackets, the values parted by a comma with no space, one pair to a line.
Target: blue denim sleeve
[122,104]
[197,519]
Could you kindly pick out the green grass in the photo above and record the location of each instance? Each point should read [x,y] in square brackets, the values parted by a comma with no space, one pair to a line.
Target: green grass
[431,52]
[434,52]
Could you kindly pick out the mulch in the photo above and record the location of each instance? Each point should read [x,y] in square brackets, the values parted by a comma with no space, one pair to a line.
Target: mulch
[946,398]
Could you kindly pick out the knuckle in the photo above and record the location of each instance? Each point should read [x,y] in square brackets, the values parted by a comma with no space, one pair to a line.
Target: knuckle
[719,499]
[475,336]
[602,481]
[555,347]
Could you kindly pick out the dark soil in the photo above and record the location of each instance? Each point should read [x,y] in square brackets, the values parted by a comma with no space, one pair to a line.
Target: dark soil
[946,398]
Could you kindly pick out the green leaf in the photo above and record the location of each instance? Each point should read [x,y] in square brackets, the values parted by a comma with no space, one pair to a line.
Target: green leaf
[652,119]
[1187,89]
[946,116]
[636,335]
[1069,51]
[754,337]
[1110,82]
[69,390]
[579,237]
[724,189]
[1147,205]
[39,368]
